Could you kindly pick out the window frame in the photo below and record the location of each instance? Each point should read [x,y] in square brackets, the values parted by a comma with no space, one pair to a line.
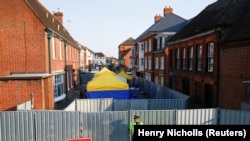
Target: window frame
[199,57]
[58,83]
[177,58]
[190,57]
[210,56]
[183,59]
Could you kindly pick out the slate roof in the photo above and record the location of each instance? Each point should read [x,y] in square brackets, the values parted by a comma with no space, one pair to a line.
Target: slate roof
[177,27]
[49,20]
[238,16]
[167,21]
[99,54]
[233,14]
[129,41]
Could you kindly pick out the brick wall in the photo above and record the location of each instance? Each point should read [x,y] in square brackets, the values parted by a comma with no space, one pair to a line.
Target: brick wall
[22,40]
[234,68]
[193,76]
[15,92]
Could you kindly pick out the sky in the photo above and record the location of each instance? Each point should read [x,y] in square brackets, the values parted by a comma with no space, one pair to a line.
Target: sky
[102,25]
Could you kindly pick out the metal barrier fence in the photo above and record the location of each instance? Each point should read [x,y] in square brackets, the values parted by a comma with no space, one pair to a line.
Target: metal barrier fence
[156,91]
[109,104]
[104,126]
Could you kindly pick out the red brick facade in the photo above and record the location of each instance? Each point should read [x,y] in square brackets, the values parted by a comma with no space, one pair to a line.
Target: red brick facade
[234,69]
[125,51]
[193,82]
[26,72]
[148,53]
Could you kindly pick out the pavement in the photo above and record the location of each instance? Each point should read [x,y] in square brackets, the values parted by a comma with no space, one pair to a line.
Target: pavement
[61,105]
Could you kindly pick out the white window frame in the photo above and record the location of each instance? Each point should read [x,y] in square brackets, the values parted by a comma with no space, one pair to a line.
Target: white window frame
[177,58]
[53,48]
[142,61]
[162,62]
[156,62]
[158,42]
[162,42]
[60,50]
[149,62]
[58,86]
[183,62]
[190,57]
[210,56]
[150,45]
[199,57]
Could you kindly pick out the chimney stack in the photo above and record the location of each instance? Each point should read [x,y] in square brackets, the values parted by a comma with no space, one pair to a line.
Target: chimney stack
[59,16]
[157,18]
[167,10]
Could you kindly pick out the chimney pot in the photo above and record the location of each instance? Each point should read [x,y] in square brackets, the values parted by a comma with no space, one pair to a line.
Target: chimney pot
[167,10]
[158,18]
[59,16]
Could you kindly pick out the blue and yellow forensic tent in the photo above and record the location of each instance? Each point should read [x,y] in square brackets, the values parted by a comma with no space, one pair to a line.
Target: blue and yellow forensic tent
[124,74]
[104,70]
[108,85]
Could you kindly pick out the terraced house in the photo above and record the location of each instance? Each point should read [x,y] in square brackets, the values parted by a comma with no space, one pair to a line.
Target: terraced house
[209,57]
[205,57]
[39,59]
[124,52]
[149,48]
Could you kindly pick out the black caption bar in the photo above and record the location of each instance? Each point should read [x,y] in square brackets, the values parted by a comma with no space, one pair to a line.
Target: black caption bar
[197,132]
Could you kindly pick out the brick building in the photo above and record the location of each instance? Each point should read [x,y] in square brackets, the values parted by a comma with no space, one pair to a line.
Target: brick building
[125,52]
[208,59]
[39,59]
[148,53]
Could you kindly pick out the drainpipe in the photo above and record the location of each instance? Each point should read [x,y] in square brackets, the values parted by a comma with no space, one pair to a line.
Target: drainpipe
[49,36]
[65,68]
[217,33]
[44,90]
[79,65]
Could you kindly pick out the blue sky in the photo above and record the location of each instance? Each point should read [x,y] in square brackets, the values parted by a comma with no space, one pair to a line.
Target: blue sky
[101,25]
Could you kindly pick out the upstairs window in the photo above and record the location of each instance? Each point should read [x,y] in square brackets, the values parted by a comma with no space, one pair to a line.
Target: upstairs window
[198,56]
[177,58]
[146,62]
[210,57]
[190,58]
[150,45]
[171,58]
[156,62]
[149,62]
[142,61]
[162,42]
[183,61]
[162,62]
